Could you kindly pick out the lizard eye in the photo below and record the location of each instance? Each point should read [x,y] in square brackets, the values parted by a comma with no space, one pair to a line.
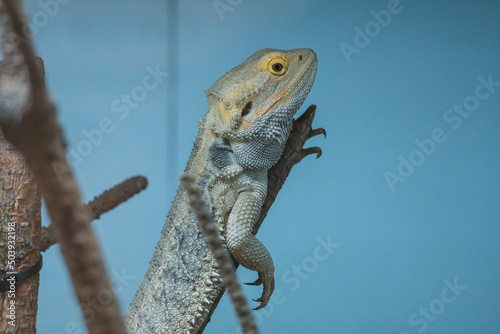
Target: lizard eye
[246,109]
[277,66]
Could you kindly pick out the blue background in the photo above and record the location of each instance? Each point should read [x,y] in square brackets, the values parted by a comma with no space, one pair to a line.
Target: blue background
[396,250]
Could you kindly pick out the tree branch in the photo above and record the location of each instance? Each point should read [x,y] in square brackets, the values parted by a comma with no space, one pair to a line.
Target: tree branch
[18,49]
[20,224]
[221,256]
[113,197]
[35,132]
[103,203]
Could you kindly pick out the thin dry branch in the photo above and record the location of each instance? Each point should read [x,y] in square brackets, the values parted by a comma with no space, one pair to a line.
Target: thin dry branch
[292,154]
[221,256]
[113,197]
[103,203]
[37,135]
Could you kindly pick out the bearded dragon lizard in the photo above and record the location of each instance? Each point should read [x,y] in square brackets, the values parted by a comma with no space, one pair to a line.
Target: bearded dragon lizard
[242,135]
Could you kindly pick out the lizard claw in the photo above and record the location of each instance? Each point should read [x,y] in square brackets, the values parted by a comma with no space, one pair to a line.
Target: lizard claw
[311,150]
[262,304]
[257,282]
[268,280]
[315,132]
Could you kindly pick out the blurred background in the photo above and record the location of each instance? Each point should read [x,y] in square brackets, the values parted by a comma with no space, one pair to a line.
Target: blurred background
[395,229]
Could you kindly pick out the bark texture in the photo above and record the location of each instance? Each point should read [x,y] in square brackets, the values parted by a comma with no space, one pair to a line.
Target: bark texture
[20,210]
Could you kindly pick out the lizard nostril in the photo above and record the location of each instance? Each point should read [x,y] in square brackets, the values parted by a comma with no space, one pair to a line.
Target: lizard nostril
[300,57]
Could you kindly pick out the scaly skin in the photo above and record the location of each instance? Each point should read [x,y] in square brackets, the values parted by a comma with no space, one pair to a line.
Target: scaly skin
[249,117]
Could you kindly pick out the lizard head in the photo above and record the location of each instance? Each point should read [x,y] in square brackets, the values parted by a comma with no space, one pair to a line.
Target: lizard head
[252,105]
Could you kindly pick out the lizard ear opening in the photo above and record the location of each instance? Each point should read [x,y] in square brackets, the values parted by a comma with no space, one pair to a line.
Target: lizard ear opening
[246,109]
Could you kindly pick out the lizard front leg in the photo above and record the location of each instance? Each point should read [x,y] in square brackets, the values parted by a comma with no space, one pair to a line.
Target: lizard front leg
[242,244]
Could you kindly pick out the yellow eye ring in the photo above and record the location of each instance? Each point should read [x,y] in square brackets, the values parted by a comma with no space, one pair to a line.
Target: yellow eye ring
[277,66]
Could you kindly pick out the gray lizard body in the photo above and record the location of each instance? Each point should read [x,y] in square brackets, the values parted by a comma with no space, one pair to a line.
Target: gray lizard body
[249,117]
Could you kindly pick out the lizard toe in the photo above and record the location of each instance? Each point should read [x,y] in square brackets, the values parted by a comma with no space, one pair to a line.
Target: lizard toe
[267,278]
[315,132]
[257,282]
[259,307]
[311,150]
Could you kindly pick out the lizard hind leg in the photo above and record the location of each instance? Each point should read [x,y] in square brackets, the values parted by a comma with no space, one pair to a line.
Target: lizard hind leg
[241,243]
[252,254]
